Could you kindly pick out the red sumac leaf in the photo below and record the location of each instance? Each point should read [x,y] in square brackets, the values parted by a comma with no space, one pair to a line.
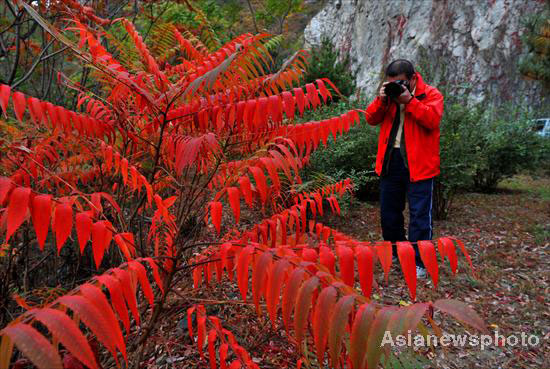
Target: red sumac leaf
[259,275]
[19,105]
[274,284]
[338,323]
[17,209]
[83,229]
[128,291]
[261,183]
[365,266]
[384,252]
[303,304]
[345,256]
[290,293]
[63,223]
[125,242]
[288,104]
[216,214]
[270,166]
[124,170]
[115,292]
[449,251]
[190,312]
[359,334]
[5,92]
[101,238]
[300,99]
[139,269]
[96,297]
[155,270]
[223,355]
[197,276]
[326,258]
[323,90]
[33,345]
[376,333]
[201,332]
[246,189]
[66,331]
[413,316]
[90,315]
[427,254]
[243,261]
[211,348]
[464,251]
[323,309]
[234,202]
[41,214]
[406,255]
[5,188]
[461,312]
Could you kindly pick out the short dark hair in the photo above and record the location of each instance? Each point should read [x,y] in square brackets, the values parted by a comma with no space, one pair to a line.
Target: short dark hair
[400,66]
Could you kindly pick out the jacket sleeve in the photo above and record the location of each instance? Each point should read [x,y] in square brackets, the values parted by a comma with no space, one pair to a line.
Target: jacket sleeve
[427,112]
[376,111]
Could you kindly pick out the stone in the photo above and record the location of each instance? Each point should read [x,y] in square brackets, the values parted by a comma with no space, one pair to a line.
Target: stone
[471,46]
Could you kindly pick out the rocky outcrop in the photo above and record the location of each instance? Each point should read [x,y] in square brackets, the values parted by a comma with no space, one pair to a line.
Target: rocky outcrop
[469,47]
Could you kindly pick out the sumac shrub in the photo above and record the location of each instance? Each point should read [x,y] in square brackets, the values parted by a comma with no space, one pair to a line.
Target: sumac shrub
[154,181]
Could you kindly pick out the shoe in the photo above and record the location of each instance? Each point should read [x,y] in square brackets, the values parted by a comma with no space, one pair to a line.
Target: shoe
[420,272]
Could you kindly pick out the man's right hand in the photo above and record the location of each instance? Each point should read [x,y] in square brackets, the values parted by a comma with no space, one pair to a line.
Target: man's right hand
[382,93]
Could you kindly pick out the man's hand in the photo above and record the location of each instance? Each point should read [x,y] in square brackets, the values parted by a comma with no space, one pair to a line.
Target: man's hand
[382,92]
[405,97]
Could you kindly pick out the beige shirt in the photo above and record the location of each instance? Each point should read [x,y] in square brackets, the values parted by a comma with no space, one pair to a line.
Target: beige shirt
[397,143]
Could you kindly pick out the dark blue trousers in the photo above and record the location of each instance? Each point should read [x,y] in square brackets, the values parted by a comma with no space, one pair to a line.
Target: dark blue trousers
[395,188]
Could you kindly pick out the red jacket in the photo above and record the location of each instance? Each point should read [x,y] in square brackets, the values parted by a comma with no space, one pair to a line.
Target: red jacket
[422,116]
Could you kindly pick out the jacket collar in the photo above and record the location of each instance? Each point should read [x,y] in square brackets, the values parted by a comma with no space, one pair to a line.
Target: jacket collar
[420,91]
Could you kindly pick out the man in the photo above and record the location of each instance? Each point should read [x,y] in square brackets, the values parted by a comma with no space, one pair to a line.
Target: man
[408,154]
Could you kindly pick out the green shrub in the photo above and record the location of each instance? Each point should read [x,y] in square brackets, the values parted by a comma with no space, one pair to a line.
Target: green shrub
[324,63]
[543,165]
[505,146]
[480,147]
[351,156]
[457,157]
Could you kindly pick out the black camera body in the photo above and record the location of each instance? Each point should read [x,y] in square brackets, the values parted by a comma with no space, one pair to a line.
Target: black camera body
[396,88]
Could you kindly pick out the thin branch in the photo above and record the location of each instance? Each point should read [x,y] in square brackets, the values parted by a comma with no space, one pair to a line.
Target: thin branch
[34,65]
[253,16]
[17,51]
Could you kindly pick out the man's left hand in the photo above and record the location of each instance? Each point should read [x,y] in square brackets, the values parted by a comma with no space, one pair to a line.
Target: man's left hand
[405,97]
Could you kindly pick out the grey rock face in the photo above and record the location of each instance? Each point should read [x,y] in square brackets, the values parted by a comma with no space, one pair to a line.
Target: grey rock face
[470,46]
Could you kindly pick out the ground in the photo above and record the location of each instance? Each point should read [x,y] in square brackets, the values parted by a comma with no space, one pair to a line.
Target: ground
[508,236]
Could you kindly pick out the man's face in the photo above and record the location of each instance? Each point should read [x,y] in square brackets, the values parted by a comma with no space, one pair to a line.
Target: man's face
[403,77]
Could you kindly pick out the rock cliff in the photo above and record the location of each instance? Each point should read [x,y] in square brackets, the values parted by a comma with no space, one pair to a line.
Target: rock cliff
[470,46]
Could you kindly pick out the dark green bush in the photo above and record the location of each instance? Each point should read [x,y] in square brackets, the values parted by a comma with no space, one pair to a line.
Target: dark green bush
[480,147]
[324,63]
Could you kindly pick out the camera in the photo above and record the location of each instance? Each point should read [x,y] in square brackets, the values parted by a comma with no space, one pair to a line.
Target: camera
[396,88]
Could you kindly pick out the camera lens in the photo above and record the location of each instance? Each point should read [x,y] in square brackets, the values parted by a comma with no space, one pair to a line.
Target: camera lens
[393,89]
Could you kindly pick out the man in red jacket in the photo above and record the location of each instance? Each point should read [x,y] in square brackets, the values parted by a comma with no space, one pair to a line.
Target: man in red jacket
[408,154]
